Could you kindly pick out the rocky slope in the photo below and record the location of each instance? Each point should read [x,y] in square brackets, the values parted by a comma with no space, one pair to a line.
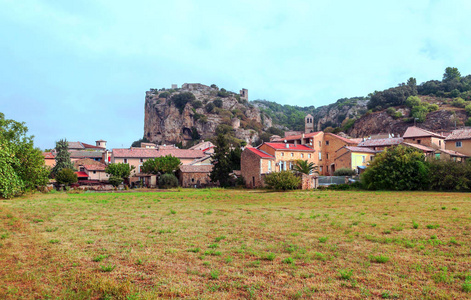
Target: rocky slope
[209,109]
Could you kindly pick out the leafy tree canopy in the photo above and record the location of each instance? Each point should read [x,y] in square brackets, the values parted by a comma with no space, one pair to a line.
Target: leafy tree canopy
[305,167]
[161,165]
[120,170]
[66,176]
[21,165]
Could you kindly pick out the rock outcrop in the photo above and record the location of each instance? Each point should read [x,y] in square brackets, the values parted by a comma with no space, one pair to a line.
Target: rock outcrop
[166,123]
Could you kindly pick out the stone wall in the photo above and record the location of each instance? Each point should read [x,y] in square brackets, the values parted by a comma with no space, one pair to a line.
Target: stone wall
[309,182]
[194,179]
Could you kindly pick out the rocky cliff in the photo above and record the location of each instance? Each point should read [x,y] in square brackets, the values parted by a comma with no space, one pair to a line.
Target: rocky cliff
[194,111]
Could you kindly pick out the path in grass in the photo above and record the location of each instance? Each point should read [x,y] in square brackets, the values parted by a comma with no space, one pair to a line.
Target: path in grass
[237,244]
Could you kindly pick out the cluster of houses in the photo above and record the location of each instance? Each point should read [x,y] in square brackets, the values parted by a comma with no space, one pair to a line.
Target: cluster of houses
[328,151]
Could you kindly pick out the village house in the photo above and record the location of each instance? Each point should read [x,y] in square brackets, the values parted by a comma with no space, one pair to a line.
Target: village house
[271,157]
[354,158]
[416,135]
[332,143]
[380,144]
[459,141]
[49,159]
[196,176]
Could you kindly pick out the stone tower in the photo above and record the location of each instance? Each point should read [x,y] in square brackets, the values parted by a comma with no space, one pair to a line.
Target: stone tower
[244,94]
[308,124]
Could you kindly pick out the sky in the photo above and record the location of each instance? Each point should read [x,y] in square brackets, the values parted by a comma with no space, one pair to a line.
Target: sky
[80,69]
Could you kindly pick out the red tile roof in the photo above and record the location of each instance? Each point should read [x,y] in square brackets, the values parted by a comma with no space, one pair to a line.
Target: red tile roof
[81,174]
[460,134]
[453,153]
[291,147]
[260,153]
[381,142]
[48,155]
[348,141]
[196,168]
[420,147]
[88,146]
[152,153]
[100,167]
[414,131]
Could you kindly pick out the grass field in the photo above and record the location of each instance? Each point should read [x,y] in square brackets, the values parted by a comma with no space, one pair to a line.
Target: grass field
[214,243]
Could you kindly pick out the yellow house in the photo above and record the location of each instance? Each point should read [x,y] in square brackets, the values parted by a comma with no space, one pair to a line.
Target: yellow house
[351,157]
[459,141]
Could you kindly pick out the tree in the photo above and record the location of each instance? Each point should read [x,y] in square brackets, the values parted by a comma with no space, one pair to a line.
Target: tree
[161,165]
[119,170]
[167,181]
[305,167]
[62,157]
[412,84]
[222,164]
[21,165]
[451,73]
[284,180]
[397,168]
[115,181]
[66,176]
[234,157]
[180,100]
[138,142]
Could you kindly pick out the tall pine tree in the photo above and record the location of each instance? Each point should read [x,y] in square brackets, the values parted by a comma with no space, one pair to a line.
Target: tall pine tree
[62,157]
[222,164]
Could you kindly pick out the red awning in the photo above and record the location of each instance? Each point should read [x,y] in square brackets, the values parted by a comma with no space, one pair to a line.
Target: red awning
[81,174]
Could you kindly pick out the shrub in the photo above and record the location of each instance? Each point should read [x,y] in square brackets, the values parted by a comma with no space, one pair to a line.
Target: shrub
[197,104]
[218,103]
[448,175]
[397,168]
[284,180]
[209,107]
[468,109]
[458,102]
[164,95]
[66,176]
[433,107]
[180,100]
[115,181]
[413,101]
[344,172]
[168,181]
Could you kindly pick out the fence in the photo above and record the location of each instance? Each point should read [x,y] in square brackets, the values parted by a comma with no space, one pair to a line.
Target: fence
[329,180]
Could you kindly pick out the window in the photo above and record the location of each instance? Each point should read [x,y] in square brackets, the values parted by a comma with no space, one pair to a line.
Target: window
[458,144]
[292,154]
[192,180]
[94,172]
[291,166]
[282,154]
[320,156]
[309,156]
[418,141]
[320,169]
[141,160]
[327,155]
[327,143]
[302,155]
[320,143]
[371,158]
[125,160]
[439,143]
[363,158]
[269,166]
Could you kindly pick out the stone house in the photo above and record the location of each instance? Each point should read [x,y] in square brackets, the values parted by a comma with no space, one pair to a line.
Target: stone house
[194,175]
[271,157]
[332,143]
[381,144]
[416,135]
[459,141]
[96,172]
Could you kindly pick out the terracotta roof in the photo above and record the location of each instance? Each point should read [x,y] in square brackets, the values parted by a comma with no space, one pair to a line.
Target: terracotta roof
[291,147]
[85,161]
[88,146]
[152,153]
[75,145]
[48,155]
[100,167]
[420,147]
[460,134]
[419,132]
[297,137]
[348,141]
[202,146]
[381,142]
[359,149]
[101,141]
[84,153]
[260,153]
[81,174]
[453,153]
[357,140]
[196,168]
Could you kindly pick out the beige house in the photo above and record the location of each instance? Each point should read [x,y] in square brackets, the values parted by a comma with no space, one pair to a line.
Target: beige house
[354,158]
[416,135]
[459,141]
[96,172]
[49,159]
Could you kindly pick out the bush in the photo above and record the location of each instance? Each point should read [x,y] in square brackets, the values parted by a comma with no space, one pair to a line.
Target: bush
[167,181]
[115,181]
[164,95]
[284,180]
[209,107]
[218,103]
[433,107]
[449,175]
[458,102]
[344,172]
[66,176]
[397,168]
[197,104]
[468,109]
[413,101]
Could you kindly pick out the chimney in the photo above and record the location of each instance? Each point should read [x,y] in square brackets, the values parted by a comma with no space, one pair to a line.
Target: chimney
[287,146]
[295,143]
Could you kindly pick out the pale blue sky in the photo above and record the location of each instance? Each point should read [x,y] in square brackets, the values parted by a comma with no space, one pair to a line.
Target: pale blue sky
[79,69]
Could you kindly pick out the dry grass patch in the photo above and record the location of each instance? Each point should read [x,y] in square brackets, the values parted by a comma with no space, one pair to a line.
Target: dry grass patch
[219,243]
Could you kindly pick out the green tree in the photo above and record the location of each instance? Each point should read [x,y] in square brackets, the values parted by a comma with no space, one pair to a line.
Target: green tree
[222,164]
[167,181]
[234,157]
[119,170]
[419,113]
[451,73]
[161,165]
[62,157]
[412,84]
[284,180]
[413,101]
[66,176]
[137,143]
[180,100]
[21,165]
[115,181]
[397,168]
[305,167]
